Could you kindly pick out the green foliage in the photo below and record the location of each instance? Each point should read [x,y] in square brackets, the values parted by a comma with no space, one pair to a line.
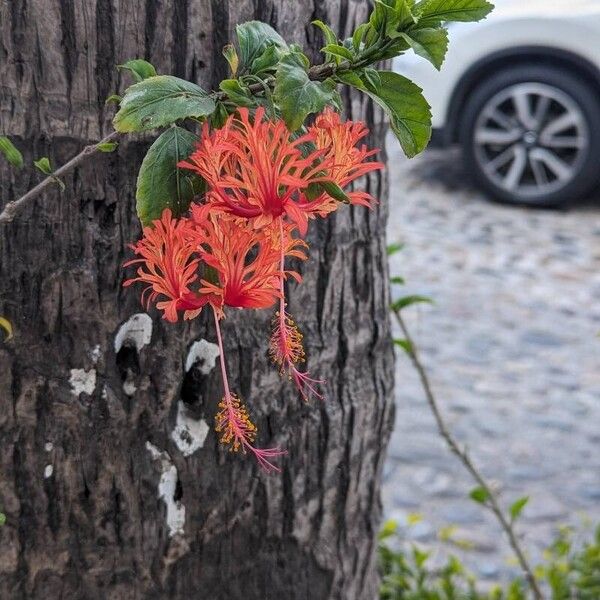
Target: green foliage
[254,37]
[159,101]
[394,248]
[43,164]
[405,345]
[107,146]
[10,152]
[231,56]
[296,94]
[516,508]
[408,301]
[161,183]
[431,13]
[479,494]
[2,519]
[431,44]
[569,572]
[139,68]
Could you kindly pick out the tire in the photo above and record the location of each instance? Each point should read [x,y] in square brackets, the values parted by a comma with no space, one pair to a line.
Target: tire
[511,123]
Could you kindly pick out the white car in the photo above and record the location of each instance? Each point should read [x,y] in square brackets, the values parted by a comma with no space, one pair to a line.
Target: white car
[520,91]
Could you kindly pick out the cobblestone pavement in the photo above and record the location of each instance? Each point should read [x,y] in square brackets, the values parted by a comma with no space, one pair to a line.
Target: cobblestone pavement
[512,347]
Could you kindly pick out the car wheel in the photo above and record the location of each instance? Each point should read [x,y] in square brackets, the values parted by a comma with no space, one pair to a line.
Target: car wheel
[531,135]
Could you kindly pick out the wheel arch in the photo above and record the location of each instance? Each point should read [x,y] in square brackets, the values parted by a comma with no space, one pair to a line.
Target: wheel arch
[519,55]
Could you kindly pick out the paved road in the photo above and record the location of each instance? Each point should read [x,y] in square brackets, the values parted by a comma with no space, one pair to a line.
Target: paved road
[511,345]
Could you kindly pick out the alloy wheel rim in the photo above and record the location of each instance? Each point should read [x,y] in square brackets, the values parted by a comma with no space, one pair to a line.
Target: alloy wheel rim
[530,139]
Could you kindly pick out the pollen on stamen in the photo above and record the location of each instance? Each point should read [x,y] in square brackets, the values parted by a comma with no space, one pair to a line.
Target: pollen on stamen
[233,422]
[286,346]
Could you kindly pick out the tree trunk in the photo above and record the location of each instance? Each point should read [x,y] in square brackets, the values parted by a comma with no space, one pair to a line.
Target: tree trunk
[112,479]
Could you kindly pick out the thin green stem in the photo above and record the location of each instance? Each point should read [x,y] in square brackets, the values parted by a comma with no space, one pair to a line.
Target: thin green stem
[492,502]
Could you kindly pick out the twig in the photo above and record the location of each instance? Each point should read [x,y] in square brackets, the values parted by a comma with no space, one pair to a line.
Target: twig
[492,500]
[316,73]
[12,208]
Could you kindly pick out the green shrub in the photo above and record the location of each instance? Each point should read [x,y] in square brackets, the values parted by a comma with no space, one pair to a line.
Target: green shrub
[569,572]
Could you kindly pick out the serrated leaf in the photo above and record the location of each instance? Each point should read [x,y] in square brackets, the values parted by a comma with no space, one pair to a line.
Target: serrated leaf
[517,507]
[10,152]
[159,101]
[161,183]
[479,495]
[140,69]
[434,12]
[7,326]
[253,38]
[43,164]
[431,44]
[408,301]
[405,345]
[409,112]
[394,248]
[231,56]
[296,94]
[328,34]
[403,101]
[107,146]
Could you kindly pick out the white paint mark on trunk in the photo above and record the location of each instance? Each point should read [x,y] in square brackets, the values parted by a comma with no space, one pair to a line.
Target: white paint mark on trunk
[137,330]
[48,446]
[205,354]
[48,471]
[166,490]
[82,381]
[95,353]
[189,433]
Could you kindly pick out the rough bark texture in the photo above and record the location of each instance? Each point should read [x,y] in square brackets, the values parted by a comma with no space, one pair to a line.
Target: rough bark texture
[92,481]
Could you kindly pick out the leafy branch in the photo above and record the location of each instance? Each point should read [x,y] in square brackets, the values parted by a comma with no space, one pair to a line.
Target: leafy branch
[484,493]
[267,71]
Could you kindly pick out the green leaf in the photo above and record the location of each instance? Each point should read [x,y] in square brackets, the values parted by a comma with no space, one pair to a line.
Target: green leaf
[237,93]
[389,528]
[160,101]
[335,191]
[479,494]
[161,183]
[230,54]
[408,301]
[409,113]
[397,280]
[113,98]
[253,38]
[139,68]
[2,519]
[405,345]
[394,248]
[358,35]
[517,507]
[43,164]
[384,18]
[433,12]
[328,34]
[431,44]
[12,155]
[107,146]
[296,94]
[338,50]
[267,60]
